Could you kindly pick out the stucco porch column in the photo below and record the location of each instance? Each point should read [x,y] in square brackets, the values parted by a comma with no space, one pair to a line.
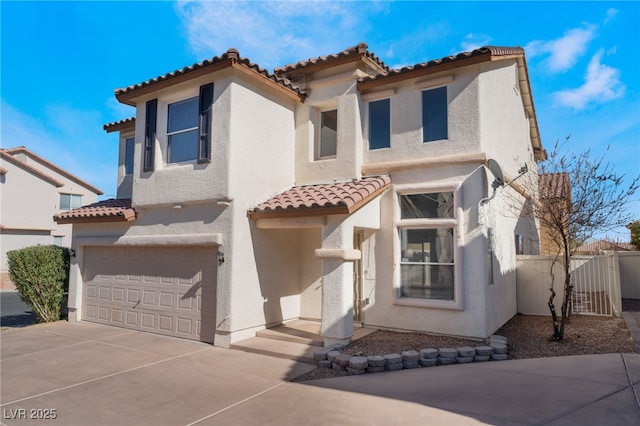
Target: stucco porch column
[337,256]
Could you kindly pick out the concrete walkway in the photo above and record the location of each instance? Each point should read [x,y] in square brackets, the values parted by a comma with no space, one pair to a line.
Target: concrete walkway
[98,375]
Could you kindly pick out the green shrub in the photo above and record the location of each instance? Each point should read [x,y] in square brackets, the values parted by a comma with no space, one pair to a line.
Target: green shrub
[41,276]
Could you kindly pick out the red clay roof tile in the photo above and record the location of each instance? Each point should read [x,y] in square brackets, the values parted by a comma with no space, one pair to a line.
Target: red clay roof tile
[230,56]
[111,210]
[490,51]
[332,198]
[120,125]
[359,49]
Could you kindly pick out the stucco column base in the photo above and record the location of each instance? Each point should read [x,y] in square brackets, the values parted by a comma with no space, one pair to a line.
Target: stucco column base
[330,341]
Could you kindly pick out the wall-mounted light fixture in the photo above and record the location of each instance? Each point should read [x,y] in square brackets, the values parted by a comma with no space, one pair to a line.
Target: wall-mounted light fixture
[220,257]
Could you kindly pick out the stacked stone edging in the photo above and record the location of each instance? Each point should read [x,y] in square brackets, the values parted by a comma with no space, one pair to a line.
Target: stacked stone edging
[332,357]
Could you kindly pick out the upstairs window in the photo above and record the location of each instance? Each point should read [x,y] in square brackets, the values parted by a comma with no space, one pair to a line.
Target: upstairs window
[129,145]
[182,131]
[189,123]
[328,134]
[379,124]
[435,114]
[70,201]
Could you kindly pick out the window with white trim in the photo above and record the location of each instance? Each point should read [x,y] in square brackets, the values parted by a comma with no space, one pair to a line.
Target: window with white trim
[70,201]
[328,137]
[426,231]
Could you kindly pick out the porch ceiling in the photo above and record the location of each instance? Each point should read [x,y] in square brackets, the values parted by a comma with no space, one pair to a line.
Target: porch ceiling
[322,199]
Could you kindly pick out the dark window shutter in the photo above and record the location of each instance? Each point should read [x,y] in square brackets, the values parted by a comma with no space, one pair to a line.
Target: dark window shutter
[206,114]
[150,134]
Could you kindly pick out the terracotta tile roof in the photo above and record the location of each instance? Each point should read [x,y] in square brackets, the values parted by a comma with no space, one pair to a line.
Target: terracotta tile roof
[322,199]
[127,123]
[228,59]
[111,210]
[603,245]
[487,51]
[6,154]
[554,185]
[23,150]
[3,171]
[359,50]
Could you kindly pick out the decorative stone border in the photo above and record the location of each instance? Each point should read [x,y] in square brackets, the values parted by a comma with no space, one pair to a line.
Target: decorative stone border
[332,357]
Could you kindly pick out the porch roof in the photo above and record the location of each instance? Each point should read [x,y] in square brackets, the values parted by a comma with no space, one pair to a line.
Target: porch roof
[111,210]
[322,199]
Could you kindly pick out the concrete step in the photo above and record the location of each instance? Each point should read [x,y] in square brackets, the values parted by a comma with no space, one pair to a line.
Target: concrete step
[292,335]
[277,348]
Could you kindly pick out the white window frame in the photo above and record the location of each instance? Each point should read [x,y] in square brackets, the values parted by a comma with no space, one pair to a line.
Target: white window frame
[454,223]
[178,132]
[71,203]
[318,134]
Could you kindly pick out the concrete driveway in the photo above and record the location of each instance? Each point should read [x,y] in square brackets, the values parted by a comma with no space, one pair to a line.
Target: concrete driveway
[85,374]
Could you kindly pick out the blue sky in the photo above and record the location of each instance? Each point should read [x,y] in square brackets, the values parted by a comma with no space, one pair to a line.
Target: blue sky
[61,61]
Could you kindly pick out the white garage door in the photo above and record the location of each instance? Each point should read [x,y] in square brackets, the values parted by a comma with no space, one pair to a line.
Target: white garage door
[162,290]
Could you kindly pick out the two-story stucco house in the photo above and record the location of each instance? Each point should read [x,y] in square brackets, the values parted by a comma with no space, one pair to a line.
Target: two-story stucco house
[333,189]
[32,190]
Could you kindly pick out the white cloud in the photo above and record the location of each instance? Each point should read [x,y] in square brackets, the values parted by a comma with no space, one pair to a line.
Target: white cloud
[601,83]
[611,13]
[563,53]
[271,33]
[474,41]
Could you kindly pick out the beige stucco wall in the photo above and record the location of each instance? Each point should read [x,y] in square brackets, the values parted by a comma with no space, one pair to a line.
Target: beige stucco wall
[28,203]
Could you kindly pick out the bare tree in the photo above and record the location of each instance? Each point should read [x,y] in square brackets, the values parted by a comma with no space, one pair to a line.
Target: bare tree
[578,196]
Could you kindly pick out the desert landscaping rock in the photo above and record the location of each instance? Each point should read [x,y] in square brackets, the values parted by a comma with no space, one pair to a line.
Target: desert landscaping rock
[447,353]
[495,338]
[324,363]
[484,350]
[499,348]
[410,356]
[410,364]
[355,371]
[393,359]
[466,351]
[393,367]
[359,362]
[338,367]
[428,362]
[321,354]
[429,353]
[342,360]
[376,361]
[331,355]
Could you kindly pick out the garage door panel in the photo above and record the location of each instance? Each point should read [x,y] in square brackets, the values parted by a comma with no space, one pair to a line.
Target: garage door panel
[164,290]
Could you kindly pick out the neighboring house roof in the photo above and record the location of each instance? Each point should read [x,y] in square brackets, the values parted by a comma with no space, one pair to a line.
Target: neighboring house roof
[554,185]
[18,162]
[482,54]
[9,154]
[126,124]
[3,171]
[357,52]
[322,199]
[603,245]
[230,59]
[111,210]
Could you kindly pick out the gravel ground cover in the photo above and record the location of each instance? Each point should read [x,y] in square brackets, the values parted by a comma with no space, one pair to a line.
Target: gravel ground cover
[528,336]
